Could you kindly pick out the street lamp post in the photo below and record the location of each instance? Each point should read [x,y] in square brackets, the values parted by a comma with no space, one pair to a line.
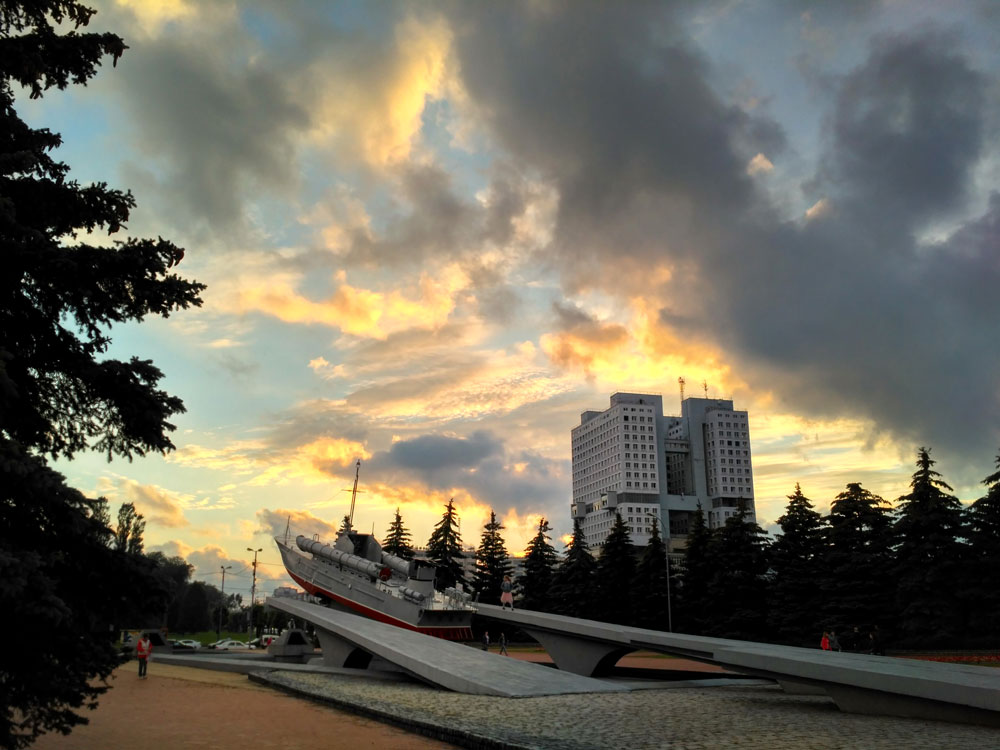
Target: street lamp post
[253,587]
[224,568]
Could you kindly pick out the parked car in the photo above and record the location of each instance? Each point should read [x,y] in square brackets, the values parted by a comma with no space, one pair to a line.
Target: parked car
[263,642]
[226,644]
[187,645]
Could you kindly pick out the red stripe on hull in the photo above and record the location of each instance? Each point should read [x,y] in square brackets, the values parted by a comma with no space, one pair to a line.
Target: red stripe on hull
[447,633]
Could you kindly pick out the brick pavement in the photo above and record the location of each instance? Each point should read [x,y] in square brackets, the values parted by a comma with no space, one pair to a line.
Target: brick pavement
[675,719]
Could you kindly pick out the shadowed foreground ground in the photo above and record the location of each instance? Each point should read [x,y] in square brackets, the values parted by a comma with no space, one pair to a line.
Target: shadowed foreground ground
[183,707]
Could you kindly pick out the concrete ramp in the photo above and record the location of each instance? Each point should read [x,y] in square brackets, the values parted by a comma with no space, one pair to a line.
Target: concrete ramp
[858,683]
[351,641]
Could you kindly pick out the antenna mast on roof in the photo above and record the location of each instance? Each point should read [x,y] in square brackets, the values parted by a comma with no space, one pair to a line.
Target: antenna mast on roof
[704,385]
[680,382]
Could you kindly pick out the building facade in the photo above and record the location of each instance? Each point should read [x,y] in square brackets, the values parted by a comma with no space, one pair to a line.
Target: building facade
[632,460]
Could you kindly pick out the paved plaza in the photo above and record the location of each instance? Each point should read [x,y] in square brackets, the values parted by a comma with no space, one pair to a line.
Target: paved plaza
[676,718]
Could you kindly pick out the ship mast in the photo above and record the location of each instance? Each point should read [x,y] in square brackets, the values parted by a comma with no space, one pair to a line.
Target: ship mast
[354,494]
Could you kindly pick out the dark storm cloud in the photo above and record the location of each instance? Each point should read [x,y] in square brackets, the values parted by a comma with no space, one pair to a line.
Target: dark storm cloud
[906,131]
[429,454]
[481,464]
[221,133]
[846,315]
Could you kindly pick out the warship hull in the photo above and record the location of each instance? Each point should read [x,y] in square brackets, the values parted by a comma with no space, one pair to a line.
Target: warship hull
[358,593]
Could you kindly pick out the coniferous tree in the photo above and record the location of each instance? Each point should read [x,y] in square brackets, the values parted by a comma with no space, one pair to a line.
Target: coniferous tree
[856,582]
[492,562]
[444,549]
[397,539]
[930,557]
[796,565]
[692,596]
[983,523]
[651,591]
[62,393]
[616,575]
[540,560]
[573,588]
[738,587]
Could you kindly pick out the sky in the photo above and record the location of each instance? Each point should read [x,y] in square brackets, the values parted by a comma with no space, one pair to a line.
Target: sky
[434,233]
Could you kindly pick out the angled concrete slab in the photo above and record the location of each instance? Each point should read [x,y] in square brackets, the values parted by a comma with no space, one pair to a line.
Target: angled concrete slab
[858,683]
[445,664]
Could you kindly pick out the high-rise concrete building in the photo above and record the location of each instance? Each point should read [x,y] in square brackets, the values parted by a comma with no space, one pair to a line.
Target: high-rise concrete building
[632,460]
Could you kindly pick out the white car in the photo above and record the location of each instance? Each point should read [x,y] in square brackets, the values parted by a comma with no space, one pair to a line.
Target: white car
[187,644]
[225,645]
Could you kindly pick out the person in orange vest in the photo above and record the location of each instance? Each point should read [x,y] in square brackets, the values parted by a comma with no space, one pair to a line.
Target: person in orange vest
[143,650]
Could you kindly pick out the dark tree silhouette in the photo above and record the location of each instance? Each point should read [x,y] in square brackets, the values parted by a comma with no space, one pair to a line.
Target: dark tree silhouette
[856,582]
[983,521]
[930,558]
[491,562]
[651,590]
[616,575]
[397,539]
[444,549]
[737,589]
[573,587]
[796,566]
[540,561]
[60,393]
[692,597]
[128,533]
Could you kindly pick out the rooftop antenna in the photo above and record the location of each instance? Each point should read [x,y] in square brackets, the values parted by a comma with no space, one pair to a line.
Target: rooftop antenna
[680,382]
[354,494]
[704,385]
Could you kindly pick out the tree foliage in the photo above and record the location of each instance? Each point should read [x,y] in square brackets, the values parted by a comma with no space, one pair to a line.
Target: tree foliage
[444,549]
[397,539]
[737,588]
[573,590]
[59,391]
[492,562]
[540,559]
[857,579]
[616,575]
[131,526]
[930,559]
[983,569]
[796,567]
[693,609]
[651,590]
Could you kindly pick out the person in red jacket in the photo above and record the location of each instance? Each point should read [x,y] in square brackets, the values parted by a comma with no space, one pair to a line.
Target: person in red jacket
[824,642]
[142,650]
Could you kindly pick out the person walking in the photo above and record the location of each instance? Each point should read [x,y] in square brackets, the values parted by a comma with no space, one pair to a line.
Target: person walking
[506,593]
[486,640]
[503,644]
[834,643]
[824,642]
[143,650]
